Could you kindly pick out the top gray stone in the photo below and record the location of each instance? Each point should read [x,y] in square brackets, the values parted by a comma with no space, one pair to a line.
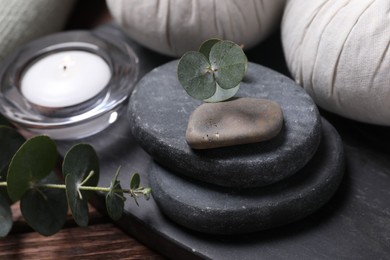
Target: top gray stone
[234,122]
[159,110]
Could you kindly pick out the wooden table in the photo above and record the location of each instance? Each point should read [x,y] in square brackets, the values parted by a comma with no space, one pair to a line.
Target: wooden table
[100,240]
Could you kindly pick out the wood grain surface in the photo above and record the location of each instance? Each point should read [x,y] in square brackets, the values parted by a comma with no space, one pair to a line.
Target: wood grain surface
[100,240]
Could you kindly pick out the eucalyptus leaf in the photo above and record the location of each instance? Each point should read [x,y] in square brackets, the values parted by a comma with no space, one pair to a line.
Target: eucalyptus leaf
[115,201]
[135,181]
[229,62]
[77,203]
[45,209]
[5,217]
[195,75]
[34,160]
[222,94]
[79,161]
[205,48]
[10,141]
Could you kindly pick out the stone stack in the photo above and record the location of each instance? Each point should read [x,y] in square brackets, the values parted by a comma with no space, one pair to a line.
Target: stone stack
[239,188]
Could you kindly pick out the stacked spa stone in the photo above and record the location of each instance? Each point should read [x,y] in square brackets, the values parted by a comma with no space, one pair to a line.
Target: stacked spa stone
[238,188]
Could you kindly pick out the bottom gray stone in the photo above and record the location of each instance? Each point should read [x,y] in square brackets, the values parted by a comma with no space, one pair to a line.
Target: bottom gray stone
[216,210]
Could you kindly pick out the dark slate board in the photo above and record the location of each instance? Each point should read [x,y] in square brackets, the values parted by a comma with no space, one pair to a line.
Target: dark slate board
[354,224]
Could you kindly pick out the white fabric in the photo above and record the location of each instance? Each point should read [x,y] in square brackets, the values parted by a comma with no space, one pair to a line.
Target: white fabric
[338,50]
[175,26]
[24,20]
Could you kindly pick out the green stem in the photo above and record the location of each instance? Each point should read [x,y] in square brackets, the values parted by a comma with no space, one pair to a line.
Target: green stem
[91,173]
[91,188]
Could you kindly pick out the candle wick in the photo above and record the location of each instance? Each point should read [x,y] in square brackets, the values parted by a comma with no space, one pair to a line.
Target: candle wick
[64,67]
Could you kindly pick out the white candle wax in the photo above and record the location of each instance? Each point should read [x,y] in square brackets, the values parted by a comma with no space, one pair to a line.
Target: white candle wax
[65,79]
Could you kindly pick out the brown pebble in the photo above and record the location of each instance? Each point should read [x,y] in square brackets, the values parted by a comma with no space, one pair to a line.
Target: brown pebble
[234,122]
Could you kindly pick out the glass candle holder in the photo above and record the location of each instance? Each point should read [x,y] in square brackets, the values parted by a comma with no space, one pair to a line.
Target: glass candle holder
[67,85]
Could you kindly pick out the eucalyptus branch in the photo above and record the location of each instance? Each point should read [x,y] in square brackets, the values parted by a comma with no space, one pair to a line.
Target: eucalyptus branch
[138,191]
[80,170]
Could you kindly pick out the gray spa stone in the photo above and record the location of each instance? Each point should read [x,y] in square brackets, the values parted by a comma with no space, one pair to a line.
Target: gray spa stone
[216,210]
[158,114]
[234,122]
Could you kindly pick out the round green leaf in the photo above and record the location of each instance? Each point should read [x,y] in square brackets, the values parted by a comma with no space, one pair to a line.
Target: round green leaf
[115,201]
[34,160]
[78,205]
[229,62]
[45,209]
[195,75]
[10,141]
[79,161]
[5,217]
[205,48]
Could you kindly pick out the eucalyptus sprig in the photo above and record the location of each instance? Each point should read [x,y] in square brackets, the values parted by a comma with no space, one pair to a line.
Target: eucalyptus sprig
[214,72]
[27,173]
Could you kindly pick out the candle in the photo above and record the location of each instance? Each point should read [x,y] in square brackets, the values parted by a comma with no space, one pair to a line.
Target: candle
[65,78]
[68,85]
